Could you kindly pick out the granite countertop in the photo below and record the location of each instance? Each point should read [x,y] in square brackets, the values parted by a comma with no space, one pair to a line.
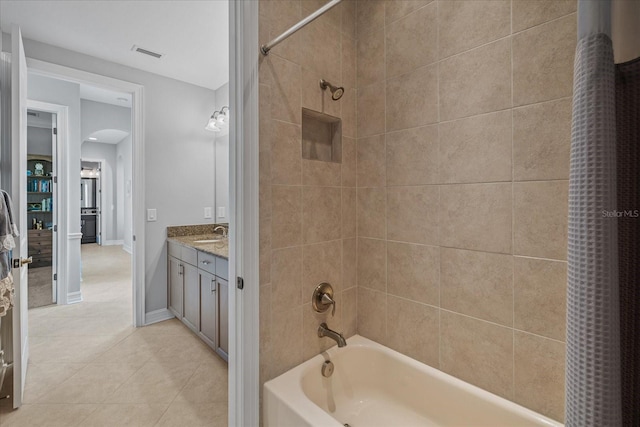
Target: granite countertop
[220,249]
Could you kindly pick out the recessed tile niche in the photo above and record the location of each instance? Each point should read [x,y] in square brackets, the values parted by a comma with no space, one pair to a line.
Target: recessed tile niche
[321,136]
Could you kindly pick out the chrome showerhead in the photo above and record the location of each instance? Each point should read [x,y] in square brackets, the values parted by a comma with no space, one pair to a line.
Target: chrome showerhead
[336,91]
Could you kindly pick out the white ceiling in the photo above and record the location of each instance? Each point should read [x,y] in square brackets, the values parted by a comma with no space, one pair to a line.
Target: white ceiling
[107,136]
[93,93]
[193,35]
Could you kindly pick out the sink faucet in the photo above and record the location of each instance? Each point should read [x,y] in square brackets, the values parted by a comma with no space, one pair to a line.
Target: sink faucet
[221,227]
[324,331]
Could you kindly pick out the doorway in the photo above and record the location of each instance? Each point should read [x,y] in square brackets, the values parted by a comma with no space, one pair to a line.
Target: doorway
[41,199]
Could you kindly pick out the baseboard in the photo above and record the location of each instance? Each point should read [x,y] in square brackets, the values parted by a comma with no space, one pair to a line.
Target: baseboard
[127,249]
[74,297]
[113,243]
[157,316]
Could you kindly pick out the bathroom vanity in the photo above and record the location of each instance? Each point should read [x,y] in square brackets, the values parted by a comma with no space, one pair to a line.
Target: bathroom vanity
[198,286]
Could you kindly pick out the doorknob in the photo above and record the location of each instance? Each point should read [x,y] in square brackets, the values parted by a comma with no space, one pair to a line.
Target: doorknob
[17,263]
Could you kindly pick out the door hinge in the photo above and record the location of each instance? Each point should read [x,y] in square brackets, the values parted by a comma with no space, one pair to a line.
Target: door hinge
[55,228]
[240,282]
[55,179]
[55,131]
[134,238]
[55,276]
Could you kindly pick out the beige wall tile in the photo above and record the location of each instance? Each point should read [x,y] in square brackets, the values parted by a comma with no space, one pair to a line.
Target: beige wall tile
[264,123]
[349,312]
[478,352]
[349,263]
[372,314]
[543,61]
[412,99]
[332,17]
[371,212]
[466,24]
[286,153]
[412,156]
[282,15]
[371,110]
[349,156]
[478,284]
[321,214]
[349,125]
[412,214]
[414,272]
[412,41]
[286,347]
[349,18]
[321,38]
[476,216]
[370,57]
[322,262]
[369,14]
[371,162]
[372,264]
[475,82]
[540,220]
[285,91]
[413,329]
[542,141]
[476,149]
[528,13]
[348,212]
[540,297]
[321,173]
[265,250]
[286,272]
[286,222]
[348,63]
[539,374]
[396,9]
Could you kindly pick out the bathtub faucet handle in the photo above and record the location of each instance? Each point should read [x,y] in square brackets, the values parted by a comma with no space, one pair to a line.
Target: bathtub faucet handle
[322,298]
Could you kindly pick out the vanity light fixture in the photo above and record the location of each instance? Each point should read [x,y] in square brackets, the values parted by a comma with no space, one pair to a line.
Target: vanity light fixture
[217,119]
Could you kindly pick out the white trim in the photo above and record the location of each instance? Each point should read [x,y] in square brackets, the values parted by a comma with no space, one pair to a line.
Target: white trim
[158,316]
[244,210]
[61,245]
[74,297]
[138,168]
[74,236]
[128,250]
[113,243]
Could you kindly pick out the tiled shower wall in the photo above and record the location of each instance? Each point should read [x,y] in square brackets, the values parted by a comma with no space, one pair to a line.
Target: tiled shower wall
[463,136]
[307,207]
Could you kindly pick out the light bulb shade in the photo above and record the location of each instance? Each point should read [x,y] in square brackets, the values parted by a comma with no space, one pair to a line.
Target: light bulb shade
[212,125]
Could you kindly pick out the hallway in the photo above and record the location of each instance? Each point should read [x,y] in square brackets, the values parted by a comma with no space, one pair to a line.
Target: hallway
[89,367]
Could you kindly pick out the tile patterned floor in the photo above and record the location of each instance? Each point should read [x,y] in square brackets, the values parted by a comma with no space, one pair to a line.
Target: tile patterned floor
[89,367]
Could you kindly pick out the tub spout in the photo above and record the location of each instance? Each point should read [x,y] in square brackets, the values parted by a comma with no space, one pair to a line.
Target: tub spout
[324,331]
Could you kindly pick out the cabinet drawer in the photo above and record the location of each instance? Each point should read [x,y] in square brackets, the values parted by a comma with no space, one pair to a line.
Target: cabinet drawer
[45,234]
[222,268]
[207,262]
[189,255]
[174,250]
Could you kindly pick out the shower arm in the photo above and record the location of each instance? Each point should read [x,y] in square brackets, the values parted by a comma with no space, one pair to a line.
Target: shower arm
[265,48]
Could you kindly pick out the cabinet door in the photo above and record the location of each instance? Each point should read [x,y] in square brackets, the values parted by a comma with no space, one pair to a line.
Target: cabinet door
[223,318]
[191,296]
[175,286]
[208,312]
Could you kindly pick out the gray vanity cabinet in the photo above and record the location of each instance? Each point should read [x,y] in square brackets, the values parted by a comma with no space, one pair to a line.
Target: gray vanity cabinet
[208,312]
[191,297]
[223,315]
[175,286]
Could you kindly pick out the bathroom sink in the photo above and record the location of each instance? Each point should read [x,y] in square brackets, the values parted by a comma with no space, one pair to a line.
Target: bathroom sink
[209,241]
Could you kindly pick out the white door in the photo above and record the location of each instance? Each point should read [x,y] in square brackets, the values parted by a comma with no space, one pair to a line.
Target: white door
[19,196]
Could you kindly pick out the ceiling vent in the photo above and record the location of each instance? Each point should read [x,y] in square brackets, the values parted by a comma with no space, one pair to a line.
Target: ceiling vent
[147,52]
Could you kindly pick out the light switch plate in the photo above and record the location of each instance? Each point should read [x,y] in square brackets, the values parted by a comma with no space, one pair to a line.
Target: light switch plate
[222,212]
[152,215]
[207,213]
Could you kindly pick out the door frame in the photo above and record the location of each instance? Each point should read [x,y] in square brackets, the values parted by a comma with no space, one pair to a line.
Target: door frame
[60,72]
[101,199]
[60,246]
[244,305]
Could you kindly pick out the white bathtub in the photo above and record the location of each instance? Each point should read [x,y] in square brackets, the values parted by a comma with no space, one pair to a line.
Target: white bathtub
[373,385]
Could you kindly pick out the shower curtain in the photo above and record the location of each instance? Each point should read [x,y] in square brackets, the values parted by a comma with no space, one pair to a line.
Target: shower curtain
[603,307]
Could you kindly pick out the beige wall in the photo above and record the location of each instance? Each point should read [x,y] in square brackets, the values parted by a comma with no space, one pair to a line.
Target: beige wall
[451,230]
[463,121]
[307,207]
